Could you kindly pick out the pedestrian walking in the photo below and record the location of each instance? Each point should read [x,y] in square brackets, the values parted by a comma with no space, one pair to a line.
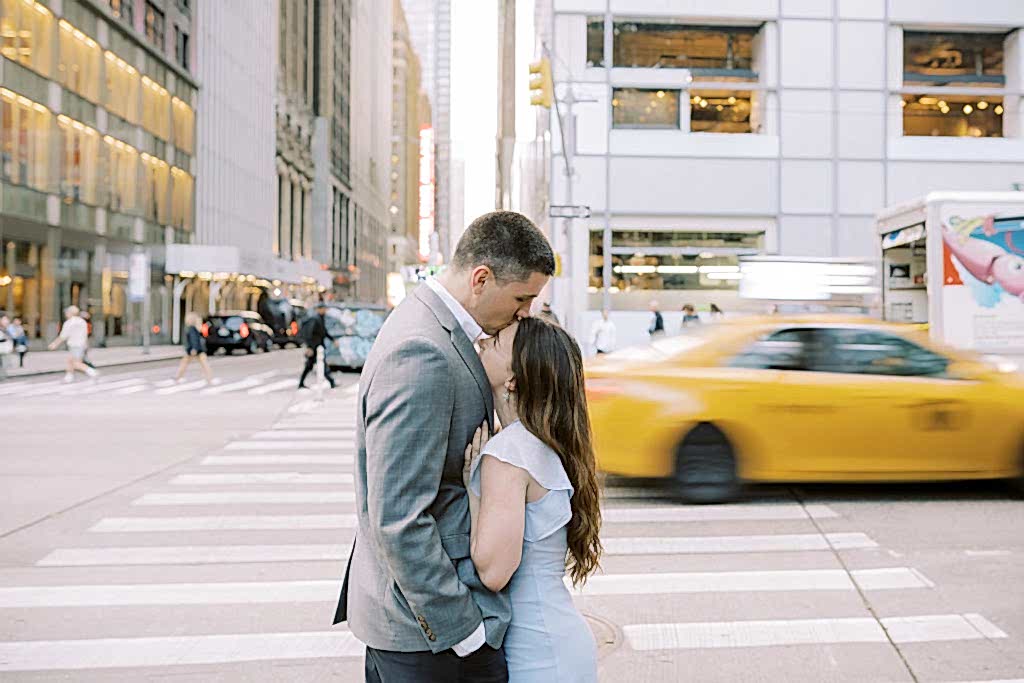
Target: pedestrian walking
[602,334]
[716,312]
[87,317]
[75,333]
[411,592]
[195,349]
[314,335]
[6,345]
[656,328]
[548,314]
[690,317]
[16,331]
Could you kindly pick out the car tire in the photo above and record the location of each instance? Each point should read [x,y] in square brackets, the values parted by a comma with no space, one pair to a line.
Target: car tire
[269,346]
[706,467]
[253,347]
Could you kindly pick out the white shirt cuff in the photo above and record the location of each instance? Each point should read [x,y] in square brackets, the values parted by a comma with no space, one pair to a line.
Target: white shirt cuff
[476,640]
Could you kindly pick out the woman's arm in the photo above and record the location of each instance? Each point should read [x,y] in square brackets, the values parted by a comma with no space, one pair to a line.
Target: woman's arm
[498,521]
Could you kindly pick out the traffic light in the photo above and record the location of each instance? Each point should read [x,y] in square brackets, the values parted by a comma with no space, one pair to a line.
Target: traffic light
[541,87]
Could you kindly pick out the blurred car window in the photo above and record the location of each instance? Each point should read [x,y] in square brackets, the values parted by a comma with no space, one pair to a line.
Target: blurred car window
[870,352]
[233,323]
[783,350]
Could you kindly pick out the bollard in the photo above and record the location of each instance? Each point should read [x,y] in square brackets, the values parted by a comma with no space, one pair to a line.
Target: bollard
[321,380]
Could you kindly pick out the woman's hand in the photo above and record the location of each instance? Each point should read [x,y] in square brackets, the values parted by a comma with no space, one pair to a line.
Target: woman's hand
[480,437]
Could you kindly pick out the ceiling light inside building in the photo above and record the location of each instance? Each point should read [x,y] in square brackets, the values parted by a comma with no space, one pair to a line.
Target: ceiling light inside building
[732,100]
[983,105]
[998,110]
[661,93]
[968,109]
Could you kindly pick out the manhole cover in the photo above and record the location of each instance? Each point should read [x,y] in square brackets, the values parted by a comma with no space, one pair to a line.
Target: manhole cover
[605,633]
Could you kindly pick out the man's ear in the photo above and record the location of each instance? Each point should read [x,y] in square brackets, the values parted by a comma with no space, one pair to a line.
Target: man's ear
[478,278]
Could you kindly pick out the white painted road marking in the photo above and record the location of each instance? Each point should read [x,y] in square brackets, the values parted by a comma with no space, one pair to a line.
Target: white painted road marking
[241,497]
[669,545]
[306,434]
[193,554]
[272,387]
[179,388]
[224,523]
[260,478]
[715,513]
[747,581]
[106,653]
[275,459]
[325,445]
[131,390]
[704,635]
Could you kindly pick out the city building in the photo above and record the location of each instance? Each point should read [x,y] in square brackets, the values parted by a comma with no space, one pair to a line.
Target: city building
[235,258]
[708,130]
[97,160]
[430,23]
[410,116]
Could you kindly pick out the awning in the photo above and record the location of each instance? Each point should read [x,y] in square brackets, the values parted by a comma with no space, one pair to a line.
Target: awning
[192,259]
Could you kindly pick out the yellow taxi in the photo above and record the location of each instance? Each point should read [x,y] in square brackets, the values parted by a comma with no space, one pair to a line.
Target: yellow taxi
[803,399]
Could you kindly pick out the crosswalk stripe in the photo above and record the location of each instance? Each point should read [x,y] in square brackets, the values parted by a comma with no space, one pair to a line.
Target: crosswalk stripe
[105,653]
[750,581]
[673,545]
[179,388]
[192,554]
[704,635]
[324,445]
[271,388]
[260,478]
[277,459]
[102,387]
[246,383]
[717,513]
[297,591]
[246,497]
[224,523]
[305,434]
[131,390]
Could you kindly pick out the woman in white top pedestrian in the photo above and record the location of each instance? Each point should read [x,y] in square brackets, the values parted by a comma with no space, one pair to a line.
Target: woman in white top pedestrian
[602,334]
[75,333]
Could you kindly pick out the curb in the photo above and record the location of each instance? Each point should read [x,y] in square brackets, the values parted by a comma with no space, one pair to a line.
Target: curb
[112,364]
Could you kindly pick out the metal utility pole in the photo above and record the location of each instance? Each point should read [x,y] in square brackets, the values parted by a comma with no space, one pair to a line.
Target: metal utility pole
[506,139]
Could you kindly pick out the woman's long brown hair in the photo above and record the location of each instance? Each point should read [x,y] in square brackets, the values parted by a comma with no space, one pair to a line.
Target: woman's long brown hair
[548,370]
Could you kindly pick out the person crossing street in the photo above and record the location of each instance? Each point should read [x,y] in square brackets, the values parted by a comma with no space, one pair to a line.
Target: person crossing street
[314,335]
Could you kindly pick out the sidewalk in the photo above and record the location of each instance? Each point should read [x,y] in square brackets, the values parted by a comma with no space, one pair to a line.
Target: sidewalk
[43,362]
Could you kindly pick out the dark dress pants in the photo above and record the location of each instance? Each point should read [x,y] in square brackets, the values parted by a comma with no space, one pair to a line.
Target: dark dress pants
[310,364]
[486,665]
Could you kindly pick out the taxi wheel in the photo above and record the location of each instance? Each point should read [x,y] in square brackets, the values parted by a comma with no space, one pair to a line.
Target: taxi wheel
[706,467]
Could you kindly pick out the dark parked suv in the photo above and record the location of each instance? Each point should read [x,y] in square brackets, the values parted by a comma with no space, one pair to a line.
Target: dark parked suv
[232,330]
[284,316]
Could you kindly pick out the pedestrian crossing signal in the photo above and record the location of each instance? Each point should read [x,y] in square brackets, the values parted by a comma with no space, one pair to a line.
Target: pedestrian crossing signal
[541,86]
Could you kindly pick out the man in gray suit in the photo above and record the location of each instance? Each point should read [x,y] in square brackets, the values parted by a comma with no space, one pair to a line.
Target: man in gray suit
[411,593]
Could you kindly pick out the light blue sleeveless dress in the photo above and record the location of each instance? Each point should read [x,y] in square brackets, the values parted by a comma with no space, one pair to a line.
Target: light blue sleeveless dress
[547,640]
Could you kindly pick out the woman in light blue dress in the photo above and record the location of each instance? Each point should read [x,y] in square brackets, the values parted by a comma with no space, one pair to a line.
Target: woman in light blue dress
[534,500]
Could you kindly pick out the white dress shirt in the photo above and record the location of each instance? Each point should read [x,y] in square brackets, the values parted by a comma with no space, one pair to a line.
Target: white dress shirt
[602,335]
[471,327]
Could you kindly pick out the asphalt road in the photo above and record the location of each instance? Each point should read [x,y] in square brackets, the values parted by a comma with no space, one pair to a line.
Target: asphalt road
[152,530]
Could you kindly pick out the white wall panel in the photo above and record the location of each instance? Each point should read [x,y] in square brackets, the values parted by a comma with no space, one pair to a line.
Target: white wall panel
[805,236]
[856,238]
[570,61]
[677,143]
[594,6]
[956,150]
[806,186]
[911,180]
[807,9]
[806,123]
[806,54]
[862,9]
[708,9]
[689,186]
[957,12]
[861,54]
[592,119]
[862,125]
[588,183]
[860,187]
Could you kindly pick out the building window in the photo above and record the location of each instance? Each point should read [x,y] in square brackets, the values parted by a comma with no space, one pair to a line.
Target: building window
[156,109]
[156,175]
[122,178]
[122,91]
[720,111]
[595,41]
[645,108]
[184,125]
[79,161]
[181,199]
[943,59]
[26,34]
[79,62]
[24,141]
[123,10]
[181,48]
[155,26]
[953,116]
[707,51]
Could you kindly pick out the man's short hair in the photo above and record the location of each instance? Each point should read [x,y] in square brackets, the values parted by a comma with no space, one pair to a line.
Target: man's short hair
[508,243]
